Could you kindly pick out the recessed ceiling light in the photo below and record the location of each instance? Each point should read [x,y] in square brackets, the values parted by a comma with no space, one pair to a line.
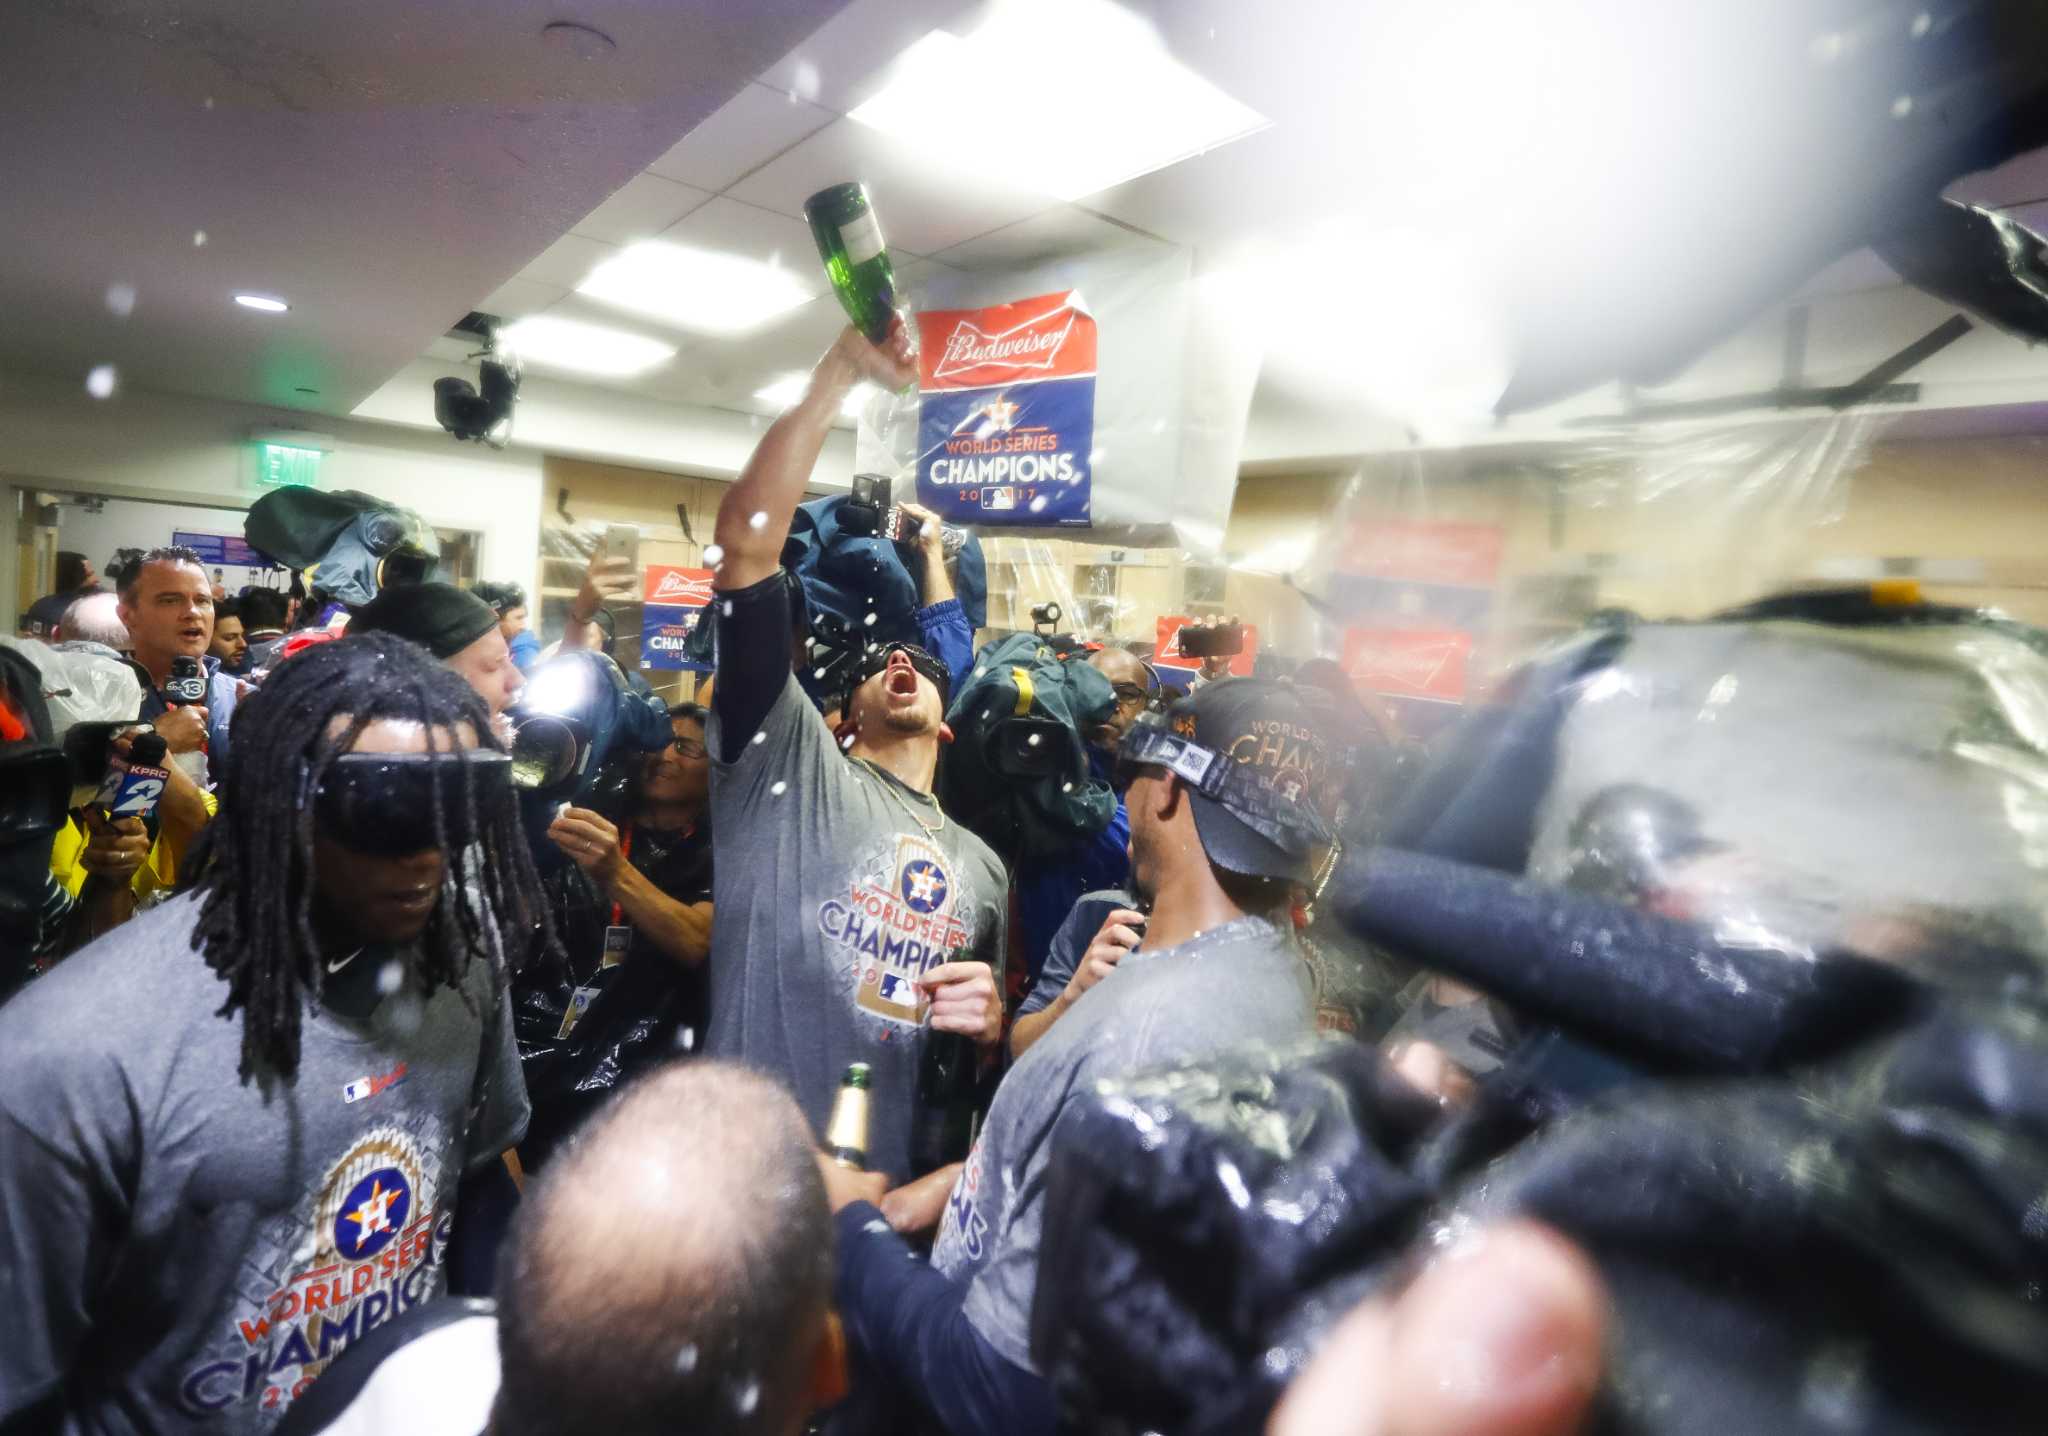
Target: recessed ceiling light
[555,342]
[585,42]
[1126,107]
[702,290]
[790,388]
[263,302]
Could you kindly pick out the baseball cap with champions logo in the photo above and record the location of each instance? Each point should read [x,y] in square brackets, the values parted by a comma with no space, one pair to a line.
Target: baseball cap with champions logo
[1252,758]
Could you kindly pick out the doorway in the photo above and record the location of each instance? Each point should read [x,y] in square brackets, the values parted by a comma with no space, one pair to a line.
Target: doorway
[105,529]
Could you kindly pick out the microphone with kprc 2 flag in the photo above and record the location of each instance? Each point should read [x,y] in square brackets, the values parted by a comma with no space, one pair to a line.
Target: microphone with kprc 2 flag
[674,600]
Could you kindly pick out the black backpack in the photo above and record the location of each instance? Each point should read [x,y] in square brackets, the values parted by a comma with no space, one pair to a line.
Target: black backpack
[1017,773]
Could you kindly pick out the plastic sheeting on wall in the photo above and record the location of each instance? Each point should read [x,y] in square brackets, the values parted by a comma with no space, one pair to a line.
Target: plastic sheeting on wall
[1439,570]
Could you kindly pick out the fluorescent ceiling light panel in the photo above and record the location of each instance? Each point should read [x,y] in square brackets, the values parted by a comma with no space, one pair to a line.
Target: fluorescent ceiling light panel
[263,302]
[1123,105]
[702,290]
[559,343]
[790,388]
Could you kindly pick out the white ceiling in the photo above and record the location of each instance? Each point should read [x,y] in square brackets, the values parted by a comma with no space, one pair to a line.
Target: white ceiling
[739,180]
[391,164]
[738,183]
[380,164]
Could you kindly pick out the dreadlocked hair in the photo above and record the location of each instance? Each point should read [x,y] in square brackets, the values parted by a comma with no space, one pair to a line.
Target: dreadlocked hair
[253,866]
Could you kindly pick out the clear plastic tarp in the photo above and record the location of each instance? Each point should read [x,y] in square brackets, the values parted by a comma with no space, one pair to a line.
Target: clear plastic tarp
[1743,728]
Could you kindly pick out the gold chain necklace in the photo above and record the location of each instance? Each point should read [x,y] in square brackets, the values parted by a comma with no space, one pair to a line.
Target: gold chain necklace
[1329,868]
[889,787]
[1322,880]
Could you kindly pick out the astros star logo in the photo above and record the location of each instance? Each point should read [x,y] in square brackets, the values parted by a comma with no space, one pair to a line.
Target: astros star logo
[372,1213]
[924,885]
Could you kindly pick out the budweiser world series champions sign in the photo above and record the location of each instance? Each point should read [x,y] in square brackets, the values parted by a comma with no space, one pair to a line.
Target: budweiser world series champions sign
[1006,419]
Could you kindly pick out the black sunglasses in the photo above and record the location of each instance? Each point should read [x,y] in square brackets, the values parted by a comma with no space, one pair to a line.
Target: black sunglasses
[873,661]
[384,803]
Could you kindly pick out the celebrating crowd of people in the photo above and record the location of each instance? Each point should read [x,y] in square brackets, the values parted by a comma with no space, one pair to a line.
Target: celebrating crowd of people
[395,1071]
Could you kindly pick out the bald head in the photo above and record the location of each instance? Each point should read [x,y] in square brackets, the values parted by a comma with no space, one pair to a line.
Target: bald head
[1131,681]
[94,619]
[670,1270]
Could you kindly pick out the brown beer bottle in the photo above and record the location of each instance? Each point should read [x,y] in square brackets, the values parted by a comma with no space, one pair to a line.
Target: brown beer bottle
[846,1135]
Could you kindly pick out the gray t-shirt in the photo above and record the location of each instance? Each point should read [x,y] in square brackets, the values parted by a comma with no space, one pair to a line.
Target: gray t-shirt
[1070,944]
[837,888]
[1240,983]
[181,1251]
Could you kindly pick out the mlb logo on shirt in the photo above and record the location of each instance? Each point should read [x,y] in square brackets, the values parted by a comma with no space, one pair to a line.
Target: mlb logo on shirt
[898,990]
[364,1087]
[999,497]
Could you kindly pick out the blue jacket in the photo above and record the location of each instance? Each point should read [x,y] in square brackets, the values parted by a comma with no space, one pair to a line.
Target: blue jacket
[1047,892]
[910,1341]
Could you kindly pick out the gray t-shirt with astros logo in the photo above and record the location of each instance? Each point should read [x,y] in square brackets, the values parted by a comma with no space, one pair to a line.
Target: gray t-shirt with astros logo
[181,1251]
[1244,982]
[836,889]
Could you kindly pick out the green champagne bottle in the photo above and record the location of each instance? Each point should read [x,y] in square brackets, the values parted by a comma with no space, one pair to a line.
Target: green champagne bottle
[846,1133]
[850,242]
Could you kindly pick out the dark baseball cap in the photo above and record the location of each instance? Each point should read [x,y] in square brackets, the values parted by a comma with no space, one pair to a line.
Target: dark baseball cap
[1257,815]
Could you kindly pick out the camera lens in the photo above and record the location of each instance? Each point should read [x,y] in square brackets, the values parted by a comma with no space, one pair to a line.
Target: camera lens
[543,753]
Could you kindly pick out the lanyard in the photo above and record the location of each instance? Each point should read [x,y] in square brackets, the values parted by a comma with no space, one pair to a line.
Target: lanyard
[625,852]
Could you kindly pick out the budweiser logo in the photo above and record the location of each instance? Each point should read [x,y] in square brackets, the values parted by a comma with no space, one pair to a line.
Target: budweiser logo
[677,587]
[1034,344]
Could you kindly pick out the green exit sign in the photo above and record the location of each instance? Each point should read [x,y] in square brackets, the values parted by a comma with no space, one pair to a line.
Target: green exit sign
[281,464]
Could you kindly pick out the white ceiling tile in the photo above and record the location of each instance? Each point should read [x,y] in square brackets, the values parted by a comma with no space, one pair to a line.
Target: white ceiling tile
[847,58]
[519,296]
[568,260]
[736,228]
[589,311]
[748,130]
[733,369]
[727,372]
[1055,234]
[922,209]
[639,209]
[1265,183]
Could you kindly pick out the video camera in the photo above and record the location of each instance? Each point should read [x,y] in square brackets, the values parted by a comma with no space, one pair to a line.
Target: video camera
[59,707]
[481,412]
[576,712]
[355,544]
